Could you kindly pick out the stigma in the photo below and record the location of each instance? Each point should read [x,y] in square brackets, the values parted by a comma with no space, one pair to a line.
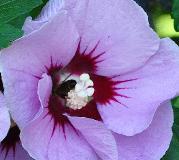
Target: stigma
[82,93]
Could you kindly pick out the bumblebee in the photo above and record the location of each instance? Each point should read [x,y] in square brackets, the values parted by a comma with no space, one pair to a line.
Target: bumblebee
[65,87]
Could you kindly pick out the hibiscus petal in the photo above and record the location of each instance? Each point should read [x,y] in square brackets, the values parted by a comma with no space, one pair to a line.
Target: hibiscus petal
[97,136]
[39,132]
[21,90]
[141,92]
[20,154]
[151,143]
[32,25]
[44,90]
[4,118]
[124,40]
[31,56]
[49,11]
[73,146]
[54,144]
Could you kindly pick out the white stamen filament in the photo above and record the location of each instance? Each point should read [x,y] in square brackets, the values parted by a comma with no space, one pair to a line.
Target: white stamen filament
[81,95]
[84,77]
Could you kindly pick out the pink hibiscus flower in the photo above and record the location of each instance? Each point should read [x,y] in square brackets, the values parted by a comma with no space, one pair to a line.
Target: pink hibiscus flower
[89,80]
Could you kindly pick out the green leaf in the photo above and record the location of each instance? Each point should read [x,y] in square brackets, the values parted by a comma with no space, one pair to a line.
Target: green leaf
[36,11]
[19,21]
[10,9]
[8,33]
[175,14]
[4,1]
[175,102]
[12,16]
[176,117]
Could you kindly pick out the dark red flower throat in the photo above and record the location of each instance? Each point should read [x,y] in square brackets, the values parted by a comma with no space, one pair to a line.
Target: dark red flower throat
[105,87]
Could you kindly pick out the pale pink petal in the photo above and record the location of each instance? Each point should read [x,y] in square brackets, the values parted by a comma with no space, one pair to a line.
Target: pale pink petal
[141,92]
[21,90]
[39,132]
[51,143]
[20,154]
[120,42]
[97,136]
[152,143]
[31,56]
[50,10]
[44,89]
[71,146]
[31,25]
[4,118]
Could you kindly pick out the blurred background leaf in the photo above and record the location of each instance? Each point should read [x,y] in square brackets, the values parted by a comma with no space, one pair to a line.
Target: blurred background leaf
[175,103]
[175,14]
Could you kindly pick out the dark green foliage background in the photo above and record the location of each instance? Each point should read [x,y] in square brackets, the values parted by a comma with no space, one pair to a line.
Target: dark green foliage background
[175,14]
